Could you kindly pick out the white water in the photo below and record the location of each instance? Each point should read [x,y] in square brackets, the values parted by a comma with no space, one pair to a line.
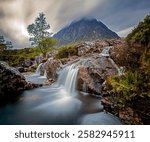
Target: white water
[84,87]
[38,70]
[68,78]
[59,103]
[105,53]
[36,77]
[119,70]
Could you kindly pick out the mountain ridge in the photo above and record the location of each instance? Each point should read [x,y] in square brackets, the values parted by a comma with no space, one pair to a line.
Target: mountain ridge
[84,29]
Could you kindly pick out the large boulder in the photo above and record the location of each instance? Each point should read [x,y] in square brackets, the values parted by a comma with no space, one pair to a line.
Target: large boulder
[38,59]
[52,66]
[12,83]
[93,72]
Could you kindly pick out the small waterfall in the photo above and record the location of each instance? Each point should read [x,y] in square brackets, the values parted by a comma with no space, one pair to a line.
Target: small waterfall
[45,74]
[68,78]
[105,53]
[38,70]
[119,70]
[84,87]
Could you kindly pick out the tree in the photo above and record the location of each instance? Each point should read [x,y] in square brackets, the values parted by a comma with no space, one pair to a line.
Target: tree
[47,42]
[2,40]
[5,44]
[2,43]
[39,32]
[9,44]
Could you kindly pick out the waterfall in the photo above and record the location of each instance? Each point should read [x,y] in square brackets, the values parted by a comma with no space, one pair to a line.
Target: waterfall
[68,78]
[45,74]
[105,53]
[84,87]
[119,70]
[38,70]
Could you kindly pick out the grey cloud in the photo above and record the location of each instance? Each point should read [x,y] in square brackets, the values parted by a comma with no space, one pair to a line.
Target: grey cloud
[119,15]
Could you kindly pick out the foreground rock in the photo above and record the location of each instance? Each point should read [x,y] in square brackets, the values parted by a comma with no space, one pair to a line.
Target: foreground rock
[12,83]
[93,72]
[51,67]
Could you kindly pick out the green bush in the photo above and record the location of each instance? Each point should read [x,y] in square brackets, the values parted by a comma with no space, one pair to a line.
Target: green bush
[129,86]
[141,34]
[67,51]
[17,57]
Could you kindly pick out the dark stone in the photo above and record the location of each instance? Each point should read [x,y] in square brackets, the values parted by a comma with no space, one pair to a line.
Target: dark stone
[12,83]
[20,69]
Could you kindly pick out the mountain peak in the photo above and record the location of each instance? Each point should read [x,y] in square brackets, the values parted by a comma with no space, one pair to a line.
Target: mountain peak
[84,29]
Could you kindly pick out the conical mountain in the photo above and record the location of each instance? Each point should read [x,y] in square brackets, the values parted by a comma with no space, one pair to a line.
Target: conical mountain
[84,30]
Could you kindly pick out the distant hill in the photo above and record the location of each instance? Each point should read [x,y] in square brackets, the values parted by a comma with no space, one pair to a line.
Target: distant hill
[83,30]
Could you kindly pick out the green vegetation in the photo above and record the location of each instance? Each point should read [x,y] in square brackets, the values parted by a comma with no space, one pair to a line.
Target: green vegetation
[141,34]
[66,51]
[4,45]
[46,44]
[17,57]
[129,86]
[134,85]
[39,34]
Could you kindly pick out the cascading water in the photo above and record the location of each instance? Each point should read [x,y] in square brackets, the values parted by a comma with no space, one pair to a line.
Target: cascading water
[38,70]
[84,87]
[119,70]
[45,74]
[36,77]
[52,104]
[68,78]
[105,53]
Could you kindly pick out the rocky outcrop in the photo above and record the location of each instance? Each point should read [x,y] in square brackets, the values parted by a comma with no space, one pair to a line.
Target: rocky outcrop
[93,72]
[94,67]
[38,59]
[51,67]
[96,46]
[11,83]
[28,62]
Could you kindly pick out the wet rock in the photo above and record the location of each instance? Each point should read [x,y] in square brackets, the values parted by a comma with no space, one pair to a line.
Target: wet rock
[20,69]
[28,62]
[38,59]
[52,66]
[12,83]
[96,46]
[93,72]
[49,82]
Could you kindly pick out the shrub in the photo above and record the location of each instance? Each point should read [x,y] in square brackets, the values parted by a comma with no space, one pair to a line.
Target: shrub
[129,86]
[66,51]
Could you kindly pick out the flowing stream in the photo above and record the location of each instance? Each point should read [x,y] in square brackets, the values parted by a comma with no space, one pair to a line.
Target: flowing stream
[59,103]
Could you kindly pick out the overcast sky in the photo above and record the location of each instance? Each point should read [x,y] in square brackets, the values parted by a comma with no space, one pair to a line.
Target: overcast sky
[120,16]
